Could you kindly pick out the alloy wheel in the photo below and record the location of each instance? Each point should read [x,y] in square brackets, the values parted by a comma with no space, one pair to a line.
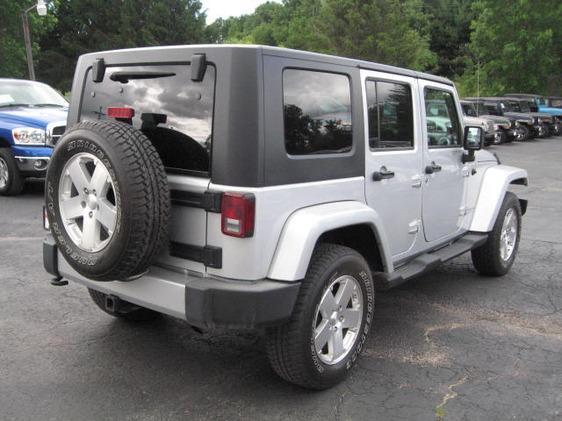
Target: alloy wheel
[87,202]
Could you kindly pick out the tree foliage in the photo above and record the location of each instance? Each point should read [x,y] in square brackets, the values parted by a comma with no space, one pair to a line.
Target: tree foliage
[504,44]
[515,46]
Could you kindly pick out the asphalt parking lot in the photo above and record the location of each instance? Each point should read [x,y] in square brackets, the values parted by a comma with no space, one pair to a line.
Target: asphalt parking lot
[451,345]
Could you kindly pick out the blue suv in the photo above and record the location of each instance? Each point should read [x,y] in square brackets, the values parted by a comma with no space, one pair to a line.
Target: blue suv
[32,119]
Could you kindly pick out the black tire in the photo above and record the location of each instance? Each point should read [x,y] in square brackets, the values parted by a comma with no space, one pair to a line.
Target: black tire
[141,195]
[487,258]
[129,311]
[290,347]
[14,183]
[500,137]
[526,132]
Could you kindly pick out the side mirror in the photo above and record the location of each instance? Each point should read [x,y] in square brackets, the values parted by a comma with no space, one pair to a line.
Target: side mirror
[473,138]
[473,141]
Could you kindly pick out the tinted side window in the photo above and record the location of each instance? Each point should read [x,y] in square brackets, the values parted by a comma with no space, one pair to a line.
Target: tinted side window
[443,125]
[389,107]
[317,112]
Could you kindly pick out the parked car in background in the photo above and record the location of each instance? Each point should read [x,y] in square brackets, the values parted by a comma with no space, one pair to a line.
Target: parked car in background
[32,119]
[511,125]
[500,106]
[541,122]
[549,105]
[496,128]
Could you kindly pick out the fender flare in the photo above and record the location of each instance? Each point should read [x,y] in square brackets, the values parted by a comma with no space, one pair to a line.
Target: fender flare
[303,228]
[495,183]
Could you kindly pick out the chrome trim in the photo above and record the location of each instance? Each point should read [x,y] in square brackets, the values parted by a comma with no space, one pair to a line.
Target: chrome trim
[33,157]
[49,131]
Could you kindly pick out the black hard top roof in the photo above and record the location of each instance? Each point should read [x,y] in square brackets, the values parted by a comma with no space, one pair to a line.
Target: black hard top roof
[284,52]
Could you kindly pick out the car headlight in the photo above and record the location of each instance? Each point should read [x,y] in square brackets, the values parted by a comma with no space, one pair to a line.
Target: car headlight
[539,120]
[28,136]
[517,124]
[489,126]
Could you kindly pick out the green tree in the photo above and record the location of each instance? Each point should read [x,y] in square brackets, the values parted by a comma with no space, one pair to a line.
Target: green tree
[95,25]
[516,46]
[13,62]
[388,31]
[450,34]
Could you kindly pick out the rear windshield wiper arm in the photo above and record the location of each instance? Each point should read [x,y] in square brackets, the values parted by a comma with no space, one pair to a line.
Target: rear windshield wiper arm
[50,105]
[14,104]
[124,77]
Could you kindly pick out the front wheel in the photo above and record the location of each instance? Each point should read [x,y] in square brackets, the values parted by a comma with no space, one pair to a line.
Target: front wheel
[330,323]
[496,256]
[525,133]
[11,181]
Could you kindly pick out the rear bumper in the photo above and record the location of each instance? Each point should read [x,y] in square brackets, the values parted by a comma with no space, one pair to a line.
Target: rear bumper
[202,301]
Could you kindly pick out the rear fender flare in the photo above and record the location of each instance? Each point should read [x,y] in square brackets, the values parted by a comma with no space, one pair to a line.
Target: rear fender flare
[303,228]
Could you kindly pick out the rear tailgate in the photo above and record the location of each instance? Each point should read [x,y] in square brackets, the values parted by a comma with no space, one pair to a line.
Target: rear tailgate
[176,113]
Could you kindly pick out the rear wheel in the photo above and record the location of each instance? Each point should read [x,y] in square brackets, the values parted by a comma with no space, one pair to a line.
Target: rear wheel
[127,310]
[496,256]
[330,322]
[11,181]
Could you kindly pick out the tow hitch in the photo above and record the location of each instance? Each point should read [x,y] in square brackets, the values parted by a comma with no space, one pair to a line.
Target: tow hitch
[115,304]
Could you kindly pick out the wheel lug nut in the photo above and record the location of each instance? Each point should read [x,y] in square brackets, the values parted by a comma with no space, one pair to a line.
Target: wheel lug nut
[83,204]
[341,318]
[91,214]
[86,190]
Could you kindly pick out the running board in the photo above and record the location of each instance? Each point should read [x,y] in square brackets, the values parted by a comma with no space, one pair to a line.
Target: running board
[429,261]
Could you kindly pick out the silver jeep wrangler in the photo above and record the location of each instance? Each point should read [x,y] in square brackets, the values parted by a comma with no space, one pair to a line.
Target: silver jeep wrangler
[259,187]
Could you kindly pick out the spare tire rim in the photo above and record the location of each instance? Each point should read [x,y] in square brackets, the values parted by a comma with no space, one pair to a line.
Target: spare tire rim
[87,202]
[338,319]
[4,174]
[508,236]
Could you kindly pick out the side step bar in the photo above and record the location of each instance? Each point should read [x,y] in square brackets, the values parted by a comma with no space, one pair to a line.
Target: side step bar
[428,261]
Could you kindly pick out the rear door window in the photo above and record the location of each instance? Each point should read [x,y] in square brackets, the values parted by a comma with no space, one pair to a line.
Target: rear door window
[390,115]
[317,112]
[175,112]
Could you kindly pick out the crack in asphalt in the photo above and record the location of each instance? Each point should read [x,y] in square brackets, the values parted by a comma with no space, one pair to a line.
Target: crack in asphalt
[451,394]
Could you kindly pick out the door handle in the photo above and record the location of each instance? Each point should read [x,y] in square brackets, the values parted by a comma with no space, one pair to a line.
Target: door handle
[432,168]
[382,174]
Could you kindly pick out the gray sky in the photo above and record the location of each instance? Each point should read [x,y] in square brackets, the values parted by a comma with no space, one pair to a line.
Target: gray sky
[225,8]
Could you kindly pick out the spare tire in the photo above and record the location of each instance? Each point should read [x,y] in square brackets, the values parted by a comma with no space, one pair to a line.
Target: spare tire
[108,200]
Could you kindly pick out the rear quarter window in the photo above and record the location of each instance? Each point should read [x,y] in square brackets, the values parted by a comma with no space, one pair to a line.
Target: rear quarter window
[175,112]
[316,112]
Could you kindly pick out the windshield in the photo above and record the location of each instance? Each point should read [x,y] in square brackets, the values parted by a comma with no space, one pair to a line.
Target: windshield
[26,93]
[524,107]
[469,110]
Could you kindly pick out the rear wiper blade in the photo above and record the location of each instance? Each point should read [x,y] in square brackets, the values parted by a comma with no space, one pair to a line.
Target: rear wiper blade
[50,105]
[15,104]
[124,77]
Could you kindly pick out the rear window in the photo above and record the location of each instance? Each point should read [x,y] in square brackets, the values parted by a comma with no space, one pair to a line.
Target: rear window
[317,112]
[174,112]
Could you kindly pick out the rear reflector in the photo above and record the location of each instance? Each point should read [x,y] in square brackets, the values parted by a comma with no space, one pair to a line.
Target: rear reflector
[46,224]
[238,214]
[120,112]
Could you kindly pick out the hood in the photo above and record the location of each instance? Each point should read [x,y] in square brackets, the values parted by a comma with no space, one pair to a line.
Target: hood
[32,117]
[497,119]
[522,117]
[550,110]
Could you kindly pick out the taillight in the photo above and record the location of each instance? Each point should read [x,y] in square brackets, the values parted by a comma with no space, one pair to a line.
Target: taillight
[238,213]
[120,112]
